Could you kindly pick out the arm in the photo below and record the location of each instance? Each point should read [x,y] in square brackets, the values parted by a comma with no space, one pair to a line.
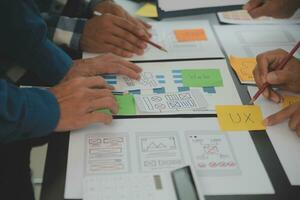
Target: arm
[23,39]
[26,113]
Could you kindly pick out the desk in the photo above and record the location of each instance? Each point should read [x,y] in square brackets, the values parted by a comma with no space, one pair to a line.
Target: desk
[56,161]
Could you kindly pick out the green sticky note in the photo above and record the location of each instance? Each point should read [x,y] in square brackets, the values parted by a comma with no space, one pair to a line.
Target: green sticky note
[126,104]
[202,78]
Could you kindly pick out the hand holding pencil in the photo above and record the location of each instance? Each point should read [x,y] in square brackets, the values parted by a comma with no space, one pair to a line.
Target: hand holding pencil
[277,68]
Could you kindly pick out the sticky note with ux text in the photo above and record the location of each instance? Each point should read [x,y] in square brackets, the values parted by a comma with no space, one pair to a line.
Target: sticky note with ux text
[289,100]
[201,78]
[243,67]
[239,117]
[190,35]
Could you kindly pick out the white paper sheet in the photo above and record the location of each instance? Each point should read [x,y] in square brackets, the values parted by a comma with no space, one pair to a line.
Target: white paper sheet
[173,5]
[160,145]
[169,76]
[243,17]
[249,41]
[164,35]
[285,142]
[171,102]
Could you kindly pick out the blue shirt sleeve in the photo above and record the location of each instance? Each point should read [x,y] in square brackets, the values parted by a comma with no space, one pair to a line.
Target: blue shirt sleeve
[26,112]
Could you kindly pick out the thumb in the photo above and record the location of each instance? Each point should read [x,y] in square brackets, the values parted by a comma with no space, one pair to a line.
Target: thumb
[277,77]
[259,11]
[280,116]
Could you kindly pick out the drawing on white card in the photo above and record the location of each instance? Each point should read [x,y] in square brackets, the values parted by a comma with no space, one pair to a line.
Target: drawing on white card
[264,37]
[192,100]
[106,154]
[159,151]
[212,153]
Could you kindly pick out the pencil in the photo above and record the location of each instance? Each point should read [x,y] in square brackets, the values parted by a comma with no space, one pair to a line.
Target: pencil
[279,67]
[148,41]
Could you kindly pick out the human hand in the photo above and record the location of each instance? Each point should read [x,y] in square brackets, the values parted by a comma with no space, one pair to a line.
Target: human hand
[113,34]
[288,78]
[272,8]
[292,112]
[109,6]
[106,64]
[79,99]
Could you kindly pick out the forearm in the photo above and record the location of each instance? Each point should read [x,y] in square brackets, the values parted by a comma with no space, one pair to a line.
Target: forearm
[26,113]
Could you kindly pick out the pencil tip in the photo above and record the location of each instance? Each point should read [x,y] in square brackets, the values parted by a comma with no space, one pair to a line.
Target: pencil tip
[164,50]
[251,102]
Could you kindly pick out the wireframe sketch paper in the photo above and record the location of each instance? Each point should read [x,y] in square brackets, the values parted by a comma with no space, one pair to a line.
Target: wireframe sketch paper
[281,141]
[249,41]
[243,17]
[155,146]
[171,102]
[210,78]
[183,40]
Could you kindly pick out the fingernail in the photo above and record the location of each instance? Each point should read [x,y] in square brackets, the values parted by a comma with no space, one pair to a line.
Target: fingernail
[271,77]
[140,52]
[144,45]
[127,54]
[141,32]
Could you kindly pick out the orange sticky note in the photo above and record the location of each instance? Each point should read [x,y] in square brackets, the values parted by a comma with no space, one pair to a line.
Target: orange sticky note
[243,68]
[190,35]
[240,118]
[289,100]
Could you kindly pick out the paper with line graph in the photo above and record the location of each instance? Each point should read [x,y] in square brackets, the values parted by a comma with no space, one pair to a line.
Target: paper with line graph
[159,152]
[106,154]
[192,100]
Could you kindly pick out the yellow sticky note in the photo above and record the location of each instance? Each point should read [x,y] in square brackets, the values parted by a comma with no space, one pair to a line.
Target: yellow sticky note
[190,35]
[240,118]
[148,10]
[243,67]
[289,100]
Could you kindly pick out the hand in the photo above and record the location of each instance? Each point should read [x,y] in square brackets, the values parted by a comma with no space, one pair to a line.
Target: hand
[288,78]
[109,6]
[272,8]
[78,101]
[114,34]
[292,112]
[106,64]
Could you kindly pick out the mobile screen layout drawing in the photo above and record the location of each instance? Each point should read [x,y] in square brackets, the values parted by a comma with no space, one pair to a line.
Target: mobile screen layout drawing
[185,40]
[179,184]
[249,41]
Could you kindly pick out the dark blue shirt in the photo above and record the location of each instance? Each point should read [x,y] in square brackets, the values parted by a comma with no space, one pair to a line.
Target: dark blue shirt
[28,113]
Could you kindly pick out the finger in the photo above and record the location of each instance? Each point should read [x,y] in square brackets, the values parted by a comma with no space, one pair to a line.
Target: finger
[139,24]
[298,130]
[279,116]
[94,82]
[148,26]
[117,51]
[100,93]
[116,68]
[278,77]
[97,117]
[263,10]
[262,66]
[130,27]
[128,64]
[258,80]
[130,37]
[275,96]
[252,4]
[295,119]
[103,103]
[124,45]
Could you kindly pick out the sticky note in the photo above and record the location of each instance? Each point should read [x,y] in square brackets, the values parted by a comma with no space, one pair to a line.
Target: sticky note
[289,100]
[240,118]
[190,35]
[126,104]
[201,78]
[148,10]
[243,67]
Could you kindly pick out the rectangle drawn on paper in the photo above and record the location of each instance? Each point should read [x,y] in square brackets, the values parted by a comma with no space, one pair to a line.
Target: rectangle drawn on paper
[106,154]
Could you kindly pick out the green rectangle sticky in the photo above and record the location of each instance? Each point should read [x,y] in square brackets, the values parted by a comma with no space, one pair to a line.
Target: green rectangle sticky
[126,104]
[201,78]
